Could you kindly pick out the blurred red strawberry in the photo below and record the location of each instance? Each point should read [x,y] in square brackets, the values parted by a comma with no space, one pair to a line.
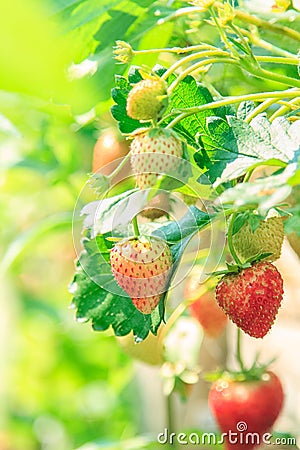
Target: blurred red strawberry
[108,148]
[205,308]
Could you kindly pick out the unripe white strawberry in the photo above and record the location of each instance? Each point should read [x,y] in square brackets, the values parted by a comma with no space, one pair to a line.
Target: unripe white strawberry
[153,152]
[147,99]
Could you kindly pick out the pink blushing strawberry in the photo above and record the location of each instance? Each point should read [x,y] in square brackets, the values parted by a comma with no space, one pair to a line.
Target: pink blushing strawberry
[142,267]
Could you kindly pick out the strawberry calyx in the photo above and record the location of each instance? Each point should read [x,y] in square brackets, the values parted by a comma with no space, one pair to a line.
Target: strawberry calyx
[236,268]
[255,373]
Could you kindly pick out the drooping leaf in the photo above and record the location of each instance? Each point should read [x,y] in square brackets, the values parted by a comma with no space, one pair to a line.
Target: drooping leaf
[263,193]
[247,146]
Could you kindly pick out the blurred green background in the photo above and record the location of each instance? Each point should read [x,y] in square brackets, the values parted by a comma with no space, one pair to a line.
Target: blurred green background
[63,385]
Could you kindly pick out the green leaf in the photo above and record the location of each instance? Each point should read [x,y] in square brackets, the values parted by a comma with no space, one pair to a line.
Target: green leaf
[58,6]
[81,13]
[193,221]
[245,109]
[187,94]
[262,194]
[113,213]
[114,28]
[292,224]
[240,220]
[247,146]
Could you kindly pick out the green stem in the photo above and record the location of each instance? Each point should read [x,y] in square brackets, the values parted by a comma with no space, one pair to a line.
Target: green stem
[179,13]
[260,108]
[239,33]
[277,60]
[257,41]
[189,58]
[177,50]
[262,73]
[230,100]
[135,226]
[120,166]
[222,33]
[284,109]
[198,66]
[170,417]
[248,175]
[230,243]
[239,350]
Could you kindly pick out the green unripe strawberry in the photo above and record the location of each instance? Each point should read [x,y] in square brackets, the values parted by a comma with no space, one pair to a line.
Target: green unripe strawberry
[147,99]
[267,238]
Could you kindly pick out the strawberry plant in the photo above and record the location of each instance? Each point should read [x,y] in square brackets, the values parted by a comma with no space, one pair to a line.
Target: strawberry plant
[235,154]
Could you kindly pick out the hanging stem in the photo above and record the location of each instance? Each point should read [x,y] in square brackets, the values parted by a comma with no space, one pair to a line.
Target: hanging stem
[211,52]
[120,166]
[135,226]
[239,350]
[262,73]
[257,41]
[170,417]
[284,109]
[230,243]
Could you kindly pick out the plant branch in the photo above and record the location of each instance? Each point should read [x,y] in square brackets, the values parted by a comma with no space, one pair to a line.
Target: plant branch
[212,52]
[260,108]
[284,109]
[177,50]
[262,73]
[230,100]
[180,310]
[278,60]
[198,66]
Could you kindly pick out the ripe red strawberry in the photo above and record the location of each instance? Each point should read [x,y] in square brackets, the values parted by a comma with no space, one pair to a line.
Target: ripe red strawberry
[205,308]
[147,99]
[153,152]
[141,266]
[248,408]
[252,297]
